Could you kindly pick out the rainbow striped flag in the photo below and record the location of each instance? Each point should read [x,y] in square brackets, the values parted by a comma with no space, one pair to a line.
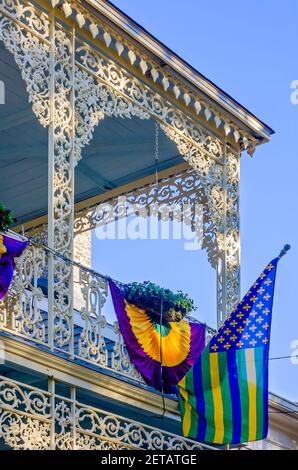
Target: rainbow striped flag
[224,397]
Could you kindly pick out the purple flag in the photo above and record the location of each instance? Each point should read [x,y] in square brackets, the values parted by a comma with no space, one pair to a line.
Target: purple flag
[182,343]
[10,248]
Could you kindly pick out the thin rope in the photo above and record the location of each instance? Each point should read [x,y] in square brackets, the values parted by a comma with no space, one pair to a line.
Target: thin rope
[33,242]
[161,358]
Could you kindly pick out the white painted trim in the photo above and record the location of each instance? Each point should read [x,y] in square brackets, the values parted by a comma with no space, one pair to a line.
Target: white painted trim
[185,70]
[71,373]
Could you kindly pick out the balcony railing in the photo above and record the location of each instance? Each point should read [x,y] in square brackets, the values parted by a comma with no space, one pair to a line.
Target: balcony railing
[38,419]
[25,313]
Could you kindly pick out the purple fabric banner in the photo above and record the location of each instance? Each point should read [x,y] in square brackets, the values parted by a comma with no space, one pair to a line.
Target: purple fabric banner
[10,248]
[181,343]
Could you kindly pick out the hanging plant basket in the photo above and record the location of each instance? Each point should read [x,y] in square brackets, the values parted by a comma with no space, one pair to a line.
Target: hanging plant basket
[149,297]
[6,218]
[11,247]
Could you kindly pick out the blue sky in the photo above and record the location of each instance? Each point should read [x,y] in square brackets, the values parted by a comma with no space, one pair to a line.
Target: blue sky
[249,49]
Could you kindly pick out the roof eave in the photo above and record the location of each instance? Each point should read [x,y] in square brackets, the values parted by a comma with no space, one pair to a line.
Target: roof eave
[262,131]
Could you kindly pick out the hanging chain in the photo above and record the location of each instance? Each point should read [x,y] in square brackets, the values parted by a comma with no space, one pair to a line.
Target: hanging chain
[156,152]
[161,300]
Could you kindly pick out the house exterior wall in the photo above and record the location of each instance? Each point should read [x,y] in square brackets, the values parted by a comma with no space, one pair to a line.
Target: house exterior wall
[83,256]
[74,80]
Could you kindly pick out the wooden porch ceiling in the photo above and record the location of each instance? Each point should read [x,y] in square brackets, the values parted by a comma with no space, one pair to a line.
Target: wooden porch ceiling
[121,151]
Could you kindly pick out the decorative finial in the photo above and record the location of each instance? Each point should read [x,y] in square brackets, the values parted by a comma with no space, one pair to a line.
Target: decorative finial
[284,251]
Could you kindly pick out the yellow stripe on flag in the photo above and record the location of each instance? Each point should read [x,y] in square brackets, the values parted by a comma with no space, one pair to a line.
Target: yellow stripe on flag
[186,423]
[2,246]
[217,399]
[252,393]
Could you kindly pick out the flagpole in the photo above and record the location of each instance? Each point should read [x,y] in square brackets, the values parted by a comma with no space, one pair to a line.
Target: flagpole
[284,251]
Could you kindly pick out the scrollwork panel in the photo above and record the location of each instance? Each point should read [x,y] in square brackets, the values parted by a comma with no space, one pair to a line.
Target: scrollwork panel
[61,188]
[33,419]
[92,346]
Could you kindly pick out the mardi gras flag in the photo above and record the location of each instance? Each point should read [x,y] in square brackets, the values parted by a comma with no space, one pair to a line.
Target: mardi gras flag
[177,345]
[224,397]
[10,248]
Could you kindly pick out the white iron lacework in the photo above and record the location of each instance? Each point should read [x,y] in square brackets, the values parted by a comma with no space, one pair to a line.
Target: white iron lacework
[27,414]
[82,89]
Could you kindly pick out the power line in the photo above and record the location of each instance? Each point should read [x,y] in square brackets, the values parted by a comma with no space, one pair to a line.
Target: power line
[283,357]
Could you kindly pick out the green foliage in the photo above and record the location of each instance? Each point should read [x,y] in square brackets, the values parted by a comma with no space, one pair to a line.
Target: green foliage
[6,218]
[149,296]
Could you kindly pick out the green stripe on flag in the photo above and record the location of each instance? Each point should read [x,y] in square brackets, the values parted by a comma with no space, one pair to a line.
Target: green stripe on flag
[226,396]
[192,399]
[259,358]
[181,403]
[208,396]
[243,388]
